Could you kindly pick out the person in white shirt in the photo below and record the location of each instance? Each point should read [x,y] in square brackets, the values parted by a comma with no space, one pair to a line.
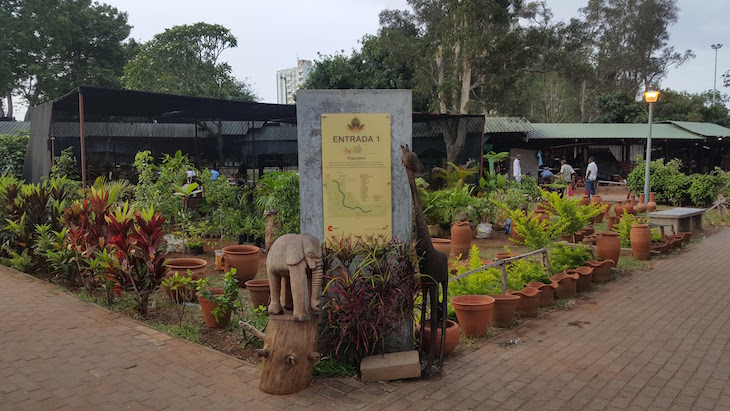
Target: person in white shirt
[591,177]
[516,169]
[567,174]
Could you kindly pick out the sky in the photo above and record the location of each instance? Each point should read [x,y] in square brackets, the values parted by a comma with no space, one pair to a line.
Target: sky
[272,34]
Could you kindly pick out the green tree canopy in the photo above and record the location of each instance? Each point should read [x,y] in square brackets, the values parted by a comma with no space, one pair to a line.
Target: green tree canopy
[185,60]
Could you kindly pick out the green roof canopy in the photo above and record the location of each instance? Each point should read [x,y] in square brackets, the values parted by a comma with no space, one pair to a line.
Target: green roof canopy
[610,131]
[702,129]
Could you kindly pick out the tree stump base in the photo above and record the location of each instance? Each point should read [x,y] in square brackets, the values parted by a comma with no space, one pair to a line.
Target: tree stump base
[289,354]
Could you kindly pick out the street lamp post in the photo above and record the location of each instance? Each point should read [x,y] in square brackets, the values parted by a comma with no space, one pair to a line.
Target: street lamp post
[714,79]
[650,97]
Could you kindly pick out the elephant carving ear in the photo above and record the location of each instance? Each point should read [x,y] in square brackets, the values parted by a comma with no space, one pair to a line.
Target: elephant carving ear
[295,251]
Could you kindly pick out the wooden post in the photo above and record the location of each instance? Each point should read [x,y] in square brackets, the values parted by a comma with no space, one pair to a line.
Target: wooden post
[289,354]
[503,268]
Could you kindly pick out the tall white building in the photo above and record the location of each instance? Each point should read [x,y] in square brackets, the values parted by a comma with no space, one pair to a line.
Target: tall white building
[288,81]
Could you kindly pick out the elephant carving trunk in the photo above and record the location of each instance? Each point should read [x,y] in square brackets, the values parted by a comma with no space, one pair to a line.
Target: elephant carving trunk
[316,285]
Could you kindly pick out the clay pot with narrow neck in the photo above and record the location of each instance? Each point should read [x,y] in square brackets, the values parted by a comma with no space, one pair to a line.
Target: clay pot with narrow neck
[641,241]
[529,301]
[651,205]
[453,334]
[443,245]
[244,258]
[585,201]
[260,292]
[461,238]
[619,209]
[585,276]
[473,312]
[548,292]
[629,207]
[641,206]
[608,246]
[632,199]
[601,270]
[504,310]
[609,222]
[567,285]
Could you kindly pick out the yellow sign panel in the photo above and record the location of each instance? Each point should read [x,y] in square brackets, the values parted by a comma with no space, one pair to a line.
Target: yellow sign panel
[356,174]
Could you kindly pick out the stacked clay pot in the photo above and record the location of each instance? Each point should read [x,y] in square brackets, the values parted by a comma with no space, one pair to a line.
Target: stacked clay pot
[567,285]
[608,246]
[461,238]
[651,205]
[641,241]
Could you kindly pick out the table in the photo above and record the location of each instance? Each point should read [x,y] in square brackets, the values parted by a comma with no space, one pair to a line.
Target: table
[680,218]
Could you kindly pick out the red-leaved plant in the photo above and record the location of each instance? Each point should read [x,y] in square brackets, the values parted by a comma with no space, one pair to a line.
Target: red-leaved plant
[371,288]
[138,256]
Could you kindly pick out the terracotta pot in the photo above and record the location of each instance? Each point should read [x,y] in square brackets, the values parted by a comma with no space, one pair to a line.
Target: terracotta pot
[516,237]
[619,209]
[596,199]
[686,236]
[632,200]
[675,240]
[473,312]
[208,306]
[434,230]
[504,256]
[585,200]
[542,215]
[196,266]
[594,239]
[587,240]
[641,241]
[607,207]
[589,230]
[608,246]
[640,208]
[660,246]
[566,237]
[529,301]
[578,236]
[609,222]
[601,270]
[548,292]
[443,245]
[629,208]
[585,276]
[567,285]
[461,238]
[453,333]
[244,258]
[504,310]
[651,205]
[260,292]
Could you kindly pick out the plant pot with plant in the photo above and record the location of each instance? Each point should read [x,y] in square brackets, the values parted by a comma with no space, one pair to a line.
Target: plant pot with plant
[244,258]
[217,304]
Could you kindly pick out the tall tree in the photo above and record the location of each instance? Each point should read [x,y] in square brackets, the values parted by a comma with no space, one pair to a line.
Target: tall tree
[185,60]
[66,43]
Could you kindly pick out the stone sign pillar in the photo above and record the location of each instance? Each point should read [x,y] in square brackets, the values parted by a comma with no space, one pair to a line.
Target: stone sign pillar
[352,138]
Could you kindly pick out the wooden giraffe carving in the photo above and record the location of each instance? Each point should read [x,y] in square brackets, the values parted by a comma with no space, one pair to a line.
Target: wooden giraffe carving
[434,264]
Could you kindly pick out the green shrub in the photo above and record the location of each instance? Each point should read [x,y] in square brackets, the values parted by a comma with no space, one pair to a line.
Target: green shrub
[704,188]
[12,153]
[526,271]
[566,257]
[624,227]
[536,234]
[66,165]
[661,177]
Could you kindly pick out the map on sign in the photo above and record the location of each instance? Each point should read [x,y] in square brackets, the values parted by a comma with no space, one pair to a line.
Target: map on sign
[356,175]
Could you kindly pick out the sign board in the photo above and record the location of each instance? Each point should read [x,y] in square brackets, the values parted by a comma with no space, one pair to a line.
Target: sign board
[356,174]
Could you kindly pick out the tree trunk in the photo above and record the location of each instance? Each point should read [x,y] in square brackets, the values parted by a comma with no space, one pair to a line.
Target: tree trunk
[583,102]
[454,132]
[221,158]
[10,106]
[289,354]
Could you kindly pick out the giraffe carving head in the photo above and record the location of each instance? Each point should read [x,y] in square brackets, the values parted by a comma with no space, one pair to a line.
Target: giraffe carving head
[410,160]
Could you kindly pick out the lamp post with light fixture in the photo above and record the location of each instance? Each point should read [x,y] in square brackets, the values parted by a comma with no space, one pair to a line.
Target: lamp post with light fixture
[714,79]
[651,98]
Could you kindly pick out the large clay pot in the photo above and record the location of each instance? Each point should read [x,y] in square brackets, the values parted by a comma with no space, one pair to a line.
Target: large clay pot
[641,241]
[619,209]
[244,258]
[585,201]
[473,312]
[504,310]
[260,292]
[651,205]
[566,237]
[578,236]
[529,301]
[608,246]
[461,238]
[516,237]
[585,275]
[548,292]
[567,285]
[640,208]
[601,270]
[443,245]
[632,200]
[542,215]
[196,266]
[596,199]
[629,207]
[588,230]
[453,333]
[208,306]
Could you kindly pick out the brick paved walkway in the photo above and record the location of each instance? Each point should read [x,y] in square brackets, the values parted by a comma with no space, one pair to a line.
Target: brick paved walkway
[657,339]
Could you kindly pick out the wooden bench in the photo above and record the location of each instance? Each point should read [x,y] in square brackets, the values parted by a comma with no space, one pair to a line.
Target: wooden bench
[680,218]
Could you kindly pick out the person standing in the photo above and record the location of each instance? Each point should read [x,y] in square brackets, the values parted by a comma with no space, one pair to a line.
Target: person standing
[516,169]
[567,175]
[591,177]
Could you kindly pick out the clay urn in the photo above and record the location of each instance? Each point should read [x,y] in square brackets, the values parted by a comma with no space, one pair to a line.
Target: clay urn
[629,207]
[548,292]
[641,241]
[504,310]
[529,301]
[651,205]
[461,238]
[632,199]
[594,239]
[443,245]
[608,246]
[585,277]
[567,284]
[566,237]
[601,270]
[607,207]
[542,215]
[244,258]
[516,237]
[585,200]
[473,312]
[596,199]
[198,270]
[619,209]
[260,292]
[453,334]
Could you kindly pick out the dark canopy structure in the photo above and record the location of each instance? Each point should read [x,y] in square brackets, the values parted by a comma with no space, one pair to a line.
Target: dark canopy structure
[101,104]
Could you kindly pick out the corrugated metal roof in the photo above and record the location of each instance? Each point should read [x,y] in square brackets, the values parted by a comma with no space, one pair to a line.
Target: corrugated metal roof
[12,127]
[702,129]
[507,125]
[607,131]
[274,133]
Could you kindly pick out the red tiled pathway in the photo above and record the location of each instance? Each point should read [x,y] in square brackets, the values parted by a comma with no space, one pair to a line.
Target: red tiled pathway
[657,339]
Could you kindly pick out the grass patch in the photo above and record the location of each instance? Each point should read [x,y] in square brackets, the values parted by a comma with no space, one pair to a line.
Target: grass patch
[331,368]
[190,332]
[627,264]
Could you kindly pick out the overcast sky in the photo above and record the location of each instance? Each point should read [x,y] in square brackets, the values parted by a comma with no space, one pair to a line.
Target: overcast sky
[272,34]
